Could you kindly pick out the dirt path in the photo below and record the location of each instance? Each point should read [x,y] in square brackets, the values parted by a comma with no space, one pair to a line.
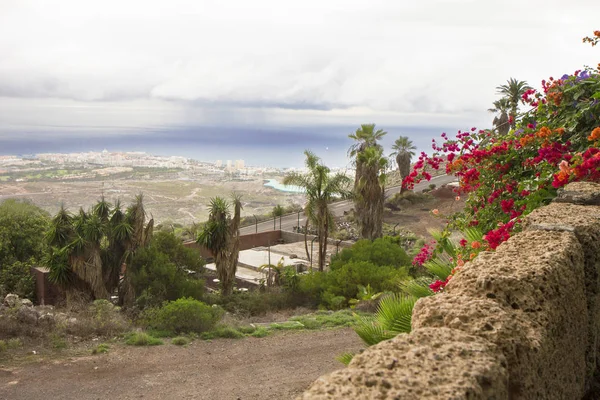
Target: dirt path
[280,366]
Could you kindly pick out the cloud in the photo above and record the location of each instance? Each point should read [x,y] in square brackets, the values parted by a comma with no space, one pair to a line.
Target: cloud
[191,62]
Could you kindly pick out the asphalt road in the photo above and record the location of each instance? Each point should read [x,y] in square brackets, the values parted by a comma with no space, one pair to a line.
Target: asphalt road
[287,222]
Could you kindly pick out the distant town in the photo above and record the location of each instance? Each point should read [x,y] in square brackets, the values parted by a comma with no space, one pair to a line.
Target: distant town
[89,164]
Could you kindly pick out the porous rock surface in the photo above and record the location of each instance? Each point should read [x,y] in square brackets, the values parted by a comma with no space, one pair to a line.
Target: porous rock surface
[425,364]
[531,306]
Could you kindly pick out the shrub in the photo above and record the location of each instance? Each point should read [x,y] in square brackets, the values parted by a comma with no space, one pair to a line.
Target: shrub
[333,289]
[159,274]
[260,332]
[382,251]
[16,278]
[101,349]
[142,339]
[227,332]
[180,341]
[3,346]
[183,315]
[258,303]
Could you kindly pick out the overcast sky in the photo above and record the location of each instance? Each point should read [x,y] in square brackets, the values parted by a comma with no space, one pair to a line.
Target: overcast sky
[112,66]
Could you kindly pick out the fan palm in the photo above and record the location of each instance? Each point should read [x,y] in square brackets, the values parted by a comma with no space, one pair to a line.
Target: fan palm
[220,235]
[366,137]
[321,188]
[513,91]
[403,151]
[501,123]
[370,191]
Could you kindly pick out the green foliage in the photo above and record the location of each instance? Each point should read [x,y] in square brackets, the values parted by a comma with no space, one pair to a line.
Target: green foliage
[418,287]
[345,358]
[3,346]
[102,348]
[16,278]
[260,332]
[226,332]
[393,317]
[166,270]
[327,319]
[183,316]
[180,341]
[58,341]
[22,229]
[256,303]
[335,288]
[142,339]
[380,252]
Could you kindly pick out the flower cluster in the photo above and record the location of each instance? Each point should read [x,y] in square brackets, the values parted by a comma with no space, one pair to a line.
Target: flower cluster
[423,256]
[506,177]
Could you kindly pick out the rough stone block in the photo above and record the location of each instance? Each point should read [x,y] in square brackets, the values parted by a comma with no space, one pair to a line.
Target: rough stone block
[584,193]
[538,276]
[428,363]
[584,222]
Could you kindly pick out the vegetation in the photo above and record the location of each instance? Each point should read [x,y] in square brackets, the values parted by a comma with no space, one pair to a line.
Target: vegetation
[184,315]
[87,250]
[165,270]
[404,152]
[22,227]
[142,339]
[321,188]
[369,180]
[221,236]
[512,93]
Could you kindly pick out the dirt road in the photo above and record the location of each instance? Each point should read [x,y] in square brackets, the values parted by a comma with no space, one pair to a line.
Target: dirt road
[280,366]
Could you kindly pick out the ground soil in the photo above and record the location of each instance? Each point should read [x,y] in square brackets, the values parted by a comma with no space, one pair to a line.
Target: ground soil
[279,366]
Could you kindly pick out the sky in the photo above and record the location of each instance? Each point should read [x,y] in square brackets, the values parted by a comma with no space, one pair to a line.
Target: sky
[263,79]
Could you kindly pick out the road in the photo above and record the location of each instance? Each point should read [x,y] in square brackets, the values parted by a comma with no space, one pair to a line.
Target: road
[287,222]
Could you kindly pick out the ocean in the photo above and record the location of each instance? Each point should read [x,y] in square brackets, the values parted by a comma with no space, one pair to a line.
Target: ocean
[268,147]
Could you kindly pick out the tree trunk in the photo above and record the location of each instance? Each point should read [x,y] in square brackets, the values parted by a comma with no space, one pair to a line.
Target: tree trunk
[308,255]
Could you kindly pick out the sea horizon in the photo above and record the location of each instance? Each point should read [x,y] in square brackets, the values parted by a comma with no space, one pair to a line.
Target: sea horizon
[273,147]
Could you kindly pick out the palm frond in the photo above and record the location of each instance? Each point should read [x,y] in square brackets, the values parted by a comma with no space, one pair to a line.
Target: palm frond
[345,358]
[418,287]
[439,267]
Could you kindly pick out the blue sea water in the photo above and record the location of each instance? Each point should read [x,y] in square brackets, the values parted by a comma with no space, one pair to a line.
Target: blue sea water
[266,147]
[275,184]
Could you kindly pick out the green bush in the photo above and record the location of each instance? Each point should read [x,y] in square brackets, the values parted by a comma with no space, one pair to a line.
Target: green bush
[16,278]
[257,303]
[333,289]
[101,349]
[182,316]
[382,251]
[22,244]
[142,339]
[180,341]
[227,332]
[166,270]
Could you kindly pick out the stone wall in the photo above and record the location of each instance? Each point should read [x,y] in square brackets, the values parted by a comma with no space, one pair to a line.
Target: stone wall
[519,323]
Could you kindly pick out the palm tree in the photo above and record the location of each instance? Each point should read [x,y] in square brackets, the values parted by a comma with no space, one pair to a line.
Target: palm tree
[501,123]
[88,249]
[403,151]
[370,191]
[368,182]
[321,188]
[221,236]
[512,91]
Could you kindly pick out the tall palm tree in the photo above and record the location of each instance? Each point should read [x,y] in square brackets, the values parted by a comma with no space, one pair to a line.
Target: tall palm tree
[366,140]
[501,123]
[512,91]
[403,151]
[370,191]
[221,236]
[321,188]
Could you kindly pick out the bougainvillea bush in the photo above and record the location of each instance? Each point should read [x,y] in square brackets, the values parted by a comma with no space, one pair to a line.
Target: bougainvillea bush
[556,141]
